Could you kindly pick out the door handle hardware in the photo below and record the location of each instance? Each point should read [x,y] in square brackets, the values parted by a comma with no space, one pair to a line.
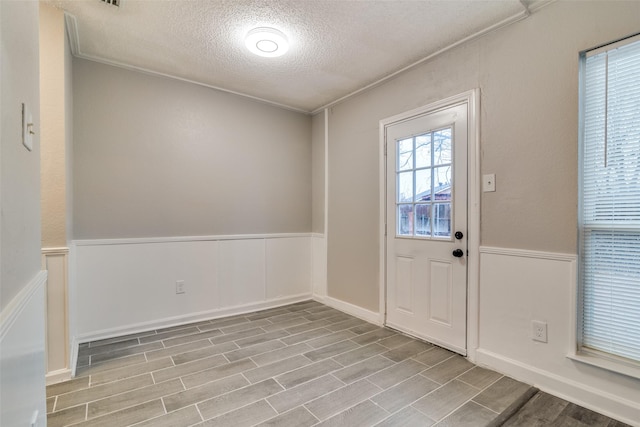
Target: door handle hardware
[458,253]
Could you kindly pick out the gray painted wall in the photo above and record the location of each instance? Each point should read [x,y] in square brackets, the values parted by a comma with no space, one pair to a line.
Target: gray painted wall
[317,172]
[20,168]
[156,157]
[528,76]
[22,342]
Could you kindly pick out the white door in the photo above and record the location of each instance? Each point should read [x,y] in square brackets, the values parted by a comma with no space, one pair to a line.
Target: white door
[426,217]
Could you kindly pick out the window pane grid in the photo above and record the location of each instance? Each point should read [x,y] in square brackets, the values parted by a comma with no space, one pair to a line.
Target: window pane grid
[423,185]
[610,202]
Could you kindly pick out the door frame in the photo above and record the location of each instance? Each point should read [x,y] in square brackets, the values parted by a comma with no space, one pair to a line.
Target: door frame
[472,99]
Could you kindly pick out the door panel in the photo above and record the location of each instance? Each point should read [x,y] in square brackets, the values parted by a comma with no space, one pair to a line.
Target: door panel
[441,291]
[426,203]
[404,284]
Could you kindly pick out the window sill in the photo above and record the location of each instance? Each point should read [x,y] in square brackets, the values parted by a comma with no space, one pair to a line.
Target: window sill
[629,369]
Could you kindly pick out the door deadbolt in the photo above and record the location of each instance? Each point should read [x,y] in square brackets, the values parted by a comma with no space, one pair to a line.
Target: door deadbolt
[459,235]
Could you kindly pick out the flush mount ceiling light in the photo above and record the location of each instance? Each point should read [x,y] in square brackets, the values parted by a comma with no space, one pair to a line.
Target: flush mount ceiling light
[267,42]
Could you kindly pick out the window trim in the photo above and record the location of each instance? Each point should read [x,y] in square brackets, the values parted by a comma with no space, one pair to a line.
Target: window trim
[578,353]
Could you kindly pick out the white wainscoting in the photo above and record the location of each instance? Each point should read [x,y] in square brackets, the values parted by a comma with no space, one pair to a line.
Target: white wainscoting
[319,266]
[129,285]
[518,286]
[22,359]
[55,261]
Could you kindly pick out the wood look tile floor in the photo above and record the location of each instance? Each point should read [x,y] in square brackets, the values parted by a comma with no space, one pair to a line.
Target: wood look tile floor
[300,365]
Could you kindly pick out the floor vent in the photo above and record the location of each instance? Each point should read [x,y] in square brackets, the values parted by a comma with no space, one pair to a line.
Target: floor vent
[112,2]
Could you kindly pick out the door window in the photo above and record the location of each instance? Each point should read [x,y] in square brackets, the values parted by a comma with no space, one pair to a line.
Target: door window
[424,171]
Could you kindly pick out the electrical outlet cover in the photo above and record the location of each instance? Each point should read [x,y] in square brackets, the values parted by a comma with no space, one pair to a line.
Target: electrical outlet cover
[539,331]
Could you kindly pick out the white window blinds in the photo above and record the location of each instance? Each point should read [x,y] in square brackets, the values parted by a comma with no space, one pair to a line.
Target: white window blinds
[610,200]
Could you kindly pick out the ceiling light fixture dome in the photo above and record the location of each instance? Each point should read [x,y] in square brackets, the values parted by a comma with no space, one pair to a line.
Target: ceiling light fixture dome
[268,42]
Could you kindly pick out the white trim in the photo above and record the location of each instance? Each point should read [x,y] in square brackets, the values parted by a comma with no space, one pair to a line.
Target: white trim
[473,223]
[504,23]
[57,286]
[58,376]
[326,172]
[75,348]
[72,32]
[472,99]
[191,318]
[607,404]
[74,41]
[524,253]
[171,239]
[55,251]
[318,235]
[382,222]
[354,310]
[610,364]
[12,311]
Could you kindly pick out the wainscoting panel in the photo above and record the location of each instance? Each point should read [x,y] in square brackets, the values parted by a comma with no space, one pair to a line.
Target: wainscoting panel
[288,263]
[242,271]
[55,261]
[126,286]
[22,357]
[319,265]
[518,286]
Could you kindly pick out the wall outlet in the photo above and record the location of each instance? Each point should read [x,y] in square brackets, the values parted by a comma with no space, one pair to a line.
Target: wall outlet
[539,331]
[180,287]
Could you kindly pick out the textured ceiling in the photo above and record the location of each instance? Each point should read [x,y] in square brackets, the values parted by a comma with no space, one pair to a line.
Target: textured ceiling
[337,47]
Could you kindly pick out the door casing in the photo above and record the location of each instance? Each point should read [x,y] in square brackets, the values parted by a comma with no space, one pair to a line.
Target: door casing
[472,99]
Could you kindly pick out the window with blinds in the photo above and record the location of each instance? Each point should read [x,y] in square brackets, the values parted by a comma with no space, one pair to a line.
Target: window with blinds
[610,200]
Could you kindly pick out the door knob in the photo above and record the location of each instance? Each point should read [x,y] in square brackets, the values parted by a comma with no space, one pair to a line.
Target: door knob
[459,235]
[458,253]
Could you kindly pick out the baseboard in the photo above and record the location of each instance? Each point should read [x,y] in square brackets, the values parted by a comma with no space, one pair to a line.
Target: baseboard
[12,311]
[58,376]
[190,318]
[589,397]
[354,310]
[75,348]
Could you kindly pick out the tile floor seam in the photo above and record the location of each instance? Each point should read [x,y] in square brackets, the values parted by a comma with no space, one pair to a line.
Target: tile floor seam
[343,409]
[332,372]
[235,390]
[483,389]
[199,413]
[442,361]
[274,409]
[107,396]
[126,407]
[316,397]
[460,406]
[486,407]
[389,413]
[412,402]
[163,405]
[237,408]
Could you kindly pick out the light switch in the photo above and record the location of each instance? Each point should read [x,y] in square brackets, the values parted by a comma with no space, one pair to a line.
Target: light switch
[27,127]
[489,182]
